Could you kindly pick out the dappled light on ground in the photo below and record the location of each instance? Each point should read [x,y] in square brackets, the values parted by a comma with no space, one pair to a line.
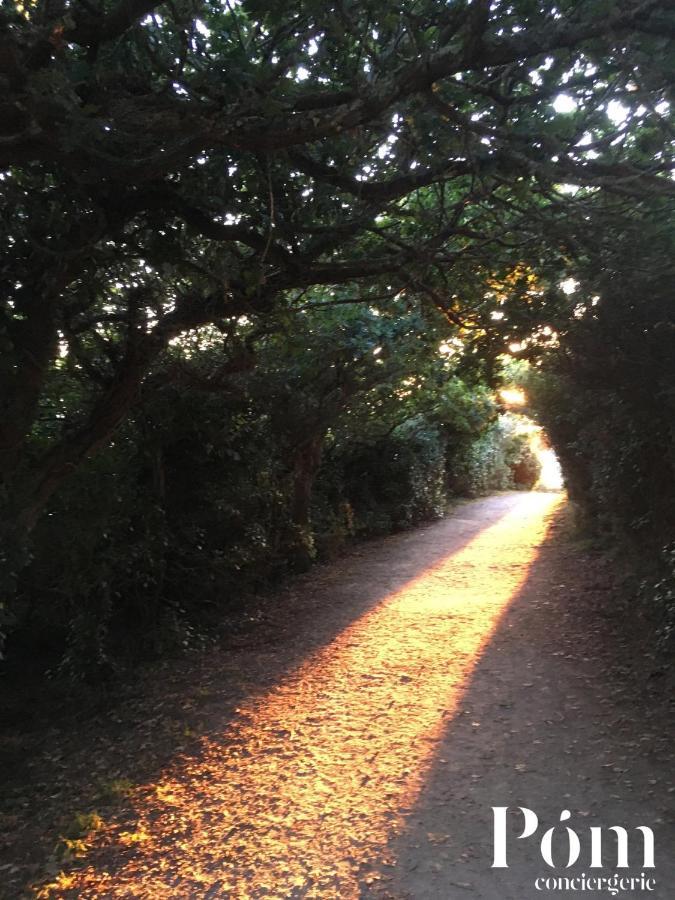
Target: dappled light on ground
[300,796]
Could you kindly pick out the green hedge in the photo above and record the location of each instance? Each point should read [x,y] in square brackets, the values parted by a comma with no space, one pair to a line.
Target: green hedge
[188,512]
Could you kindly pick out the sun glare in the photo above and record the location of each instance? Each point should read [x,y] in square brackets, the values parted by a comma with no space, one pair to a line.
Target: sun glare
[513,396]
[551,477]
[301,796]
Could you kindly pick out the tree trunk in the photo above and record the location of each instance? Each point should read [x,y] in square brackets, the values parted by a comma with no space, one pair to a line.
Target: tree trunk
[34,340]
[305,466]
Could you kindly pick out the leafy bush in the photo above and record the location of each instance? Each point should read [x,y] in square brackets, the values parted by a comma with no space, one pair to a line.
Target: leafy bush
[215,488]
[605,395]
[394,482]
[498,459]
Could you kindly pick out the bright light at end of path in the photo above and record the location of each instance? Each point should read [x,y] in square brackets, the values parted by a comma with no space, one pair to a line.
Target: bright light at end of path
[551,476]
[513,396]
[304,792]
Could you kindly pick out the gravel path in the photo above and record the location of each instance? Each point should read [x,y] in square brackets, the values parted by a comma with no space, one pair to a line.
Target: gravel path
[467,665]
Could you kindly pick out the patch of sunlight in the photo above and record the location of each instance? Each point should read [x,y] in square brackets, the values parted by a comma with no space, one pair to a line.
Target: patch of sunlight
[301,796]
[563,103]
[513,396]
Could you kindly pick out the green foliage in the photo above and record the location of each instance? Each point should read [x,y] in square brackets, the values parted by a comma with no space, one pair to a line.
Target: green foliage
[498,459]
[394,482]
[606,395]
[161,172]
[606,398]
[209,492]
[115,790]
[233,238]
[74,841]
[524,464]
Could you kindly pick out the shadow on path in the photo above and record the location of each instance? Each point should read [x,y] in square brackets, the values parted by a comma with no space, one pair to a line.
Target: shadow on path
[555,716]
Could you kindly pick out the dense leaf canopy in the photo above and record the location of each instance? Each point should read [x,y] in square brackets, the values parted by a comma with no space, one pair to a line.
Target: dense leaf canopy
[170,165]
[262,259]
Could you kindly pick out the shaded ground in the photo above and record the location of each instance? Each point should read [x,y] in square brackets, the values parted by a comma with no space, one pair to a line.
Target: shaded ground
[356,746]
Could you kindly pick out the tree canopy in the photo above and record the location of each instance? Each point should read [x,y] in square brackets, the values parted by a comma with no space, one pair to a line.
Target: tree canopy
[284,248]
[169,165]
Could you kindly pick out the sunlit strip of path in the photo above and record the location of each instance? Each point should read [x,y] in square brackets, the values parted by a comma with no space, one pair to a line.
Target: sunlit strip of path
[300,796]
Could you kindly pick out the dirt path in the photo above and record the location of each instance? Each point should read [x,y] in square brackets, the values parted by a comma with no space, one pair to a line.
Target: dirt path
[433,675]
